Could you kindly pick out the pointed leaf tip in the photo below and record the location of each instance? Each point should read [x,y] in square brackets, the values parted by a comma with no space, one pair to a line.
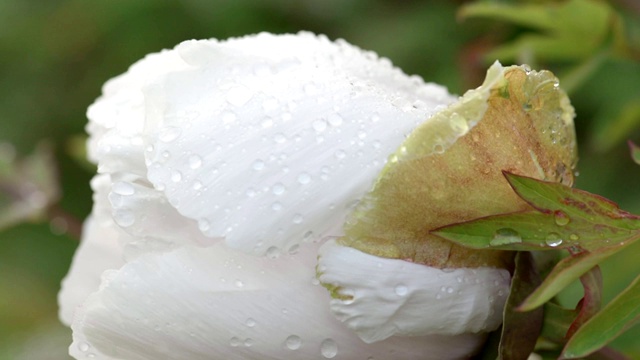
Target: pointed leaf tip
[635,152]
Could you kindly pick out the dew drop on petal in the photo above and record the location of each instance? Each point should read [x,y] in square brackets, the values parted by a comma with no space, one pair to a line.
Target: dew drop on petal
[234,342]
[195,161]
[329,348]
[574,237]
[203,225]
[250,322]
[258,165]
[197,185]
[293,342]
[278,189]
[124,218]
[276,206]
[279,138]
[401,290]
[123,188]
[273,252]
[239,283]
[335,120]
[176,176]
[505,236]
[239,95]
[248,342]
[298,218]
[553,239]
[84,347]
[304,178]
[319,125]
[169,133]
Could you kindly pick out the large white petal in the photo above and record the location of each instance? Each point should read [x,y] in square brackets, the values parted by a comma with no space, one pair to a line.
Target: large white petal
[379,298]
[267,140]
[217,303]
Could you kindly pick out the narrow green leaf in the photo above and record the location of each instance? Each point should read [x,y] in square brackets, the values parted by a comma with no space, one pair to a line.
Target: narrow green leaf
[617,128]
[591,302]
[520,329]
[557,321]
[620,314]
[635,152]
[566,271]
[553,40]
[564,218]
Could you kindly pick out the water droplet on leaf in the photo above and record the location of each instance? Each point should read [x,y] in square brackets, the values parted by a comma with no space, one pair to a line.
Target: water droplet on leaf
[505,236]
[553,239]
[561,218]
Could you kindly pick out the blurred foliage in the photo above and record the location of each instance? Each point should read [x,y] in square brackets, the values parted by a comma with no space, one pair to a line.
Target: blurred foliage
[55,56]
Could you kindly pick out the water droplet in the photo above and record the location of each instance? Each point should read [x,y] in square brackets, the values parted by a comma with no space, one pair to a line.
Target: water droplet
[195,161]
[335,120]
[505,236]
[329,348]
[266,122]
[340,154]
[197,185]
[84,347]
[449,290]
[279,138]
[458,123]
[273,252]
[438,149]
[248,342]
[319,125]
[123,188]
[234,342]
[293,249]
[176,176]
[169,133]
[228,117]
[258,165]
[561,218]
[574,237]
[250,322]
[297,219]
[553,239]
[401,290]
[293,342]
[124,217]
[304,178]
[239,95]
[276,206]
[278,189]
[203,225]
[239,283]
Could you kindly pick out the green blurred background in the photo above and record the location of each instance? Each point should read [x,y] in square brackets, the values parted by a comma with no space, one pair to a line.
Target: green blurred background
[55,55]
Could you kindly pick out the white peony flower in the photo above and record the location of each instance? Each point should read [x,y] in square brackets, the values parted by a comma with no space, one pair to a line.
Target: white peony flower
[226,169]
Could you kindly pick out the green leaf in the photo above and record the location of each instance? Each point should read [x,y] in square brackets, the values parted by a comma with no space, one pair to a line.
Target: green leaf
[564,218]
[583,30]
[566,271]
[520,329]
[557,321]
[635,152]
[619,315]
[590,303]
[616,129]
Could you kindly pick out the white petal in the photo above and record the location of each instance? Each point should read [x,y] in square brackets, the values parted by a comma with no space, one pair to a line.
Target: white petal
[98,251]
[268,140]
[386,297]
[216,303]
[150,222]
